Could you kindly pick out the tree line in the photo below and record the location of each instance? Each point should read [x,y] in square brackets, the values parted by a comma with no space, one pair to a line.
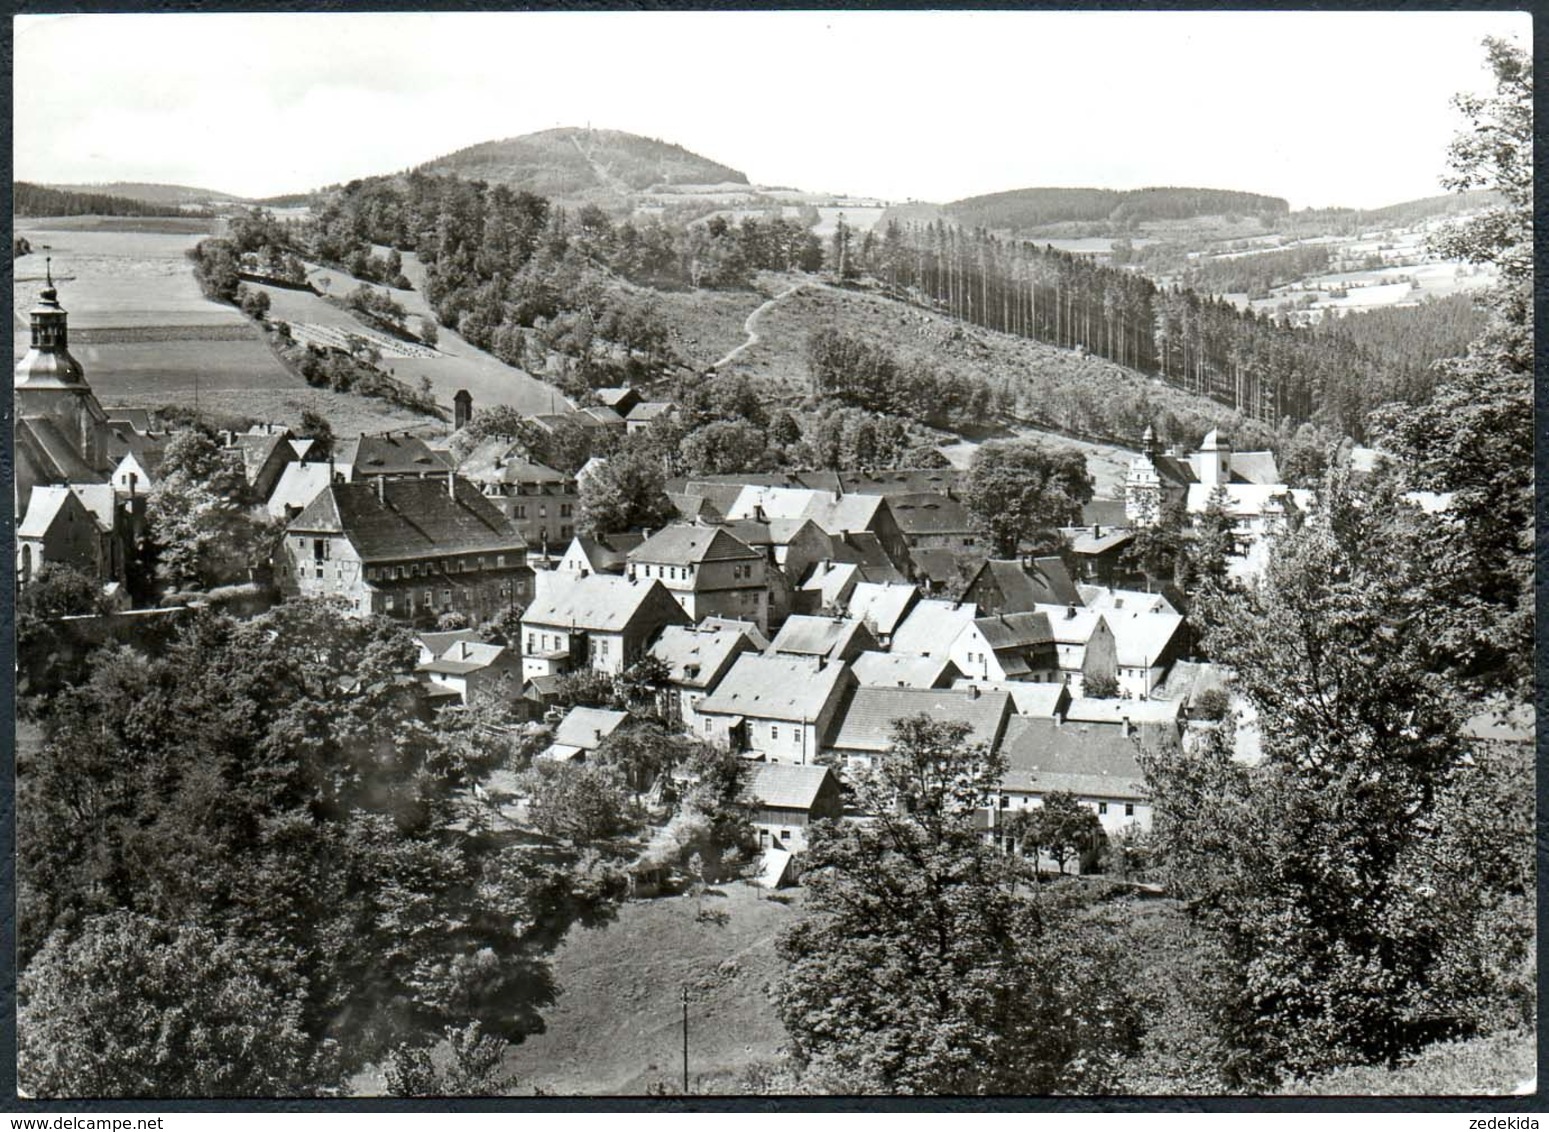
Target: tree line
[28,199]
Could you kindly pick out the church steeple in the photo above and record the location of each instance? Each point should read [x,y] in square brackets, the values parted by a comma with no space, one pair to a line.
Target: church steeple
[48,364]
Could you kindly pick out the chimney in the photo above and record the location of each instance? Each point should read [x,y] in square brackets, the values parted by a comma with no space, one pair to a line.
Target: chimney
[1097,530]
[973,691]
[381,488]
[451,484]
[1070,613]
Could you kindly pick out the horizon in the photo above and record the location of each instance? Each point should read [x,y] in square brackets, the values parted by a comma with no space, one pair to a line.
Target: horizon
[350,95]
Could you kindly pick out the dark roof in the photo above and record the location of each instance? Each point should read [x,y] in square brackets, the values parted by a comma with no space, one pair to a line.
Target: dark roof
[139,419]
[408,518]
[390,455]
[864,548]
[785,786]
[1043,581]
[1015,630]
[941,566]
[1085,541]
[1175,470]
[898,481]
[608,552]
[930,513]
[683,543]
[1255,467]
[866,721]
[496,460]
[1089,760]
[649,410]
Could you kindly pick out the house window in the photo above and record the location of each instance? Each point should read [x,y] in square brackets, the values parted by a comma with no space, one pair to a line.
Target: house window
[602,648]
[430,598]
[707,727]
[319,549]
[1005,802]
[446,598]
[530,637]
[774,731]
[565,510]
[1102,807]
[399,571]
[520,511]
[543,511]
[785,835]
[500,561]
[566,531]
[1129,809]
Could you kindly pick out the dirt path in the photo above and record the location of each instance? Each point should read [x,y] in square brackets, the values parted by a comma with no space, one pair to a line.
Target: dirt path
[750,324]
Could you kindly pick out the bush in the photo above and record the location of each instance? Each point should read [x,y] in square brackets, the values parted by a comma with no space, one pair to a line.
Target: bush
[1212,704]
[1100,686]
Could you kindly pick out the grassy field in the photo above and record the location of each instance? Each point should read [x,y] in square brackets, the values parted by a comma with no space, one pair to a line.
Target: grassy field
[617,1028]
[148,338]
[1494,1065]
[115,278]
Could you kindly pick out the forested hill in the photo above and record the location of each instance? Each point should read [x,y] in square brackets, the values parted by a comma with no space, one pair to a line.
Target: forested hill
[602,166]
[1032,208]
[38,200]
[149,193]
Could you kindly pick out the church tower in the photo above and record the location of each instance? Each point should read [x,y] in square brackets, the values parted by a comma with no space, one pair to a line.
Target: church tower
[50,385]
[1143,486]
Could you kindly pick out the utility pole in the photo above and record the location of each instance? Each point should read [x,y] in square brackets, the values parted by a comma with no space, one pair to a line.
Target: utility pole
[685,1039]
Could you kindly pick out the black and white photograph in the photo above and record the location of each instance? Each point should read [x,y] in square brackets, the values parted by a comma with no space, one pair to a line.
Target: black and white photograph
[683,556]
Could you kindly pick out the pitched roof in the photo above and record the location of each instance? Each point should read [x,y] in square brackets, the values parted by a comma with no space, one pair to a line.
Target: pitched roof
[785,786]
[866,721]
[463,657]
[408,518]
[98,498]
[721,496]
[777,687]
[1255,467]
[613,395]
[437,643]
[298,485]
[43,508]
[602,415]
[257,448]
[900,670]
[1015,630]
[603,603]
[40,441]
[942,566]
[1029,698]
[1090,761]
[844,513]
[587,727]
[865,549]
[1188,679]
[497,460]
[932,626]
[607,552]
[694,508]
[821,636]
[1139,638]
[392,454]
[138,419]
[696,657]
[1175,470]
[1027,584]
[1083,710]
[1104,598]
[1085,541]
[684,543]
[882,605]
[930,513]
[896,481]
[832,580]
[649,411]
[746,628]
[1071,625]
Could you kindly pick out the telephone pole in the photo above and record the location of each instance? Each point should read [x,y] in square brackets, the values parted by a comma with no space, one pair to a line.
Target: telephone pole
[685,1039]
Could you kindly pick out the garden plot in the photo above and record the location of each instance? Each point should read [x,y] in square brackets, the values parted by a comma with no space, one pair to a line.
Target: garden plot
[347,338]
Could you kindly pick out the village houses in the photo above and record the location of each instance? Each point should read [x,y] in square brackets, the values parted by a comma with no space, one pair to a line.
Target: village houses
[781,707]
[596,621]
[708,570]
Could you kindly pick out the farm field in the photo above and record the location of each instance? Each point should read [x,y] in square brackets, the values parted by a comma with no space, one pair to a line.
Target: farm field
[115,278]
[859,218]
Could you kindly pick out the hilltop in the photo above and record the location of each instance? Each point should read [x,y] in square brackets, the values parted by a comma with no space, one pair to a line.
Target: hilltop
[604,167]
[1020,209]
[151,193]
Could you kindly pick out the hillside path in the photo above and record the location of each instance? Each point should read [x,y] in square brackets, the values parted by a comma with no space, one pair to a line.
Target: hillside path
[750,324]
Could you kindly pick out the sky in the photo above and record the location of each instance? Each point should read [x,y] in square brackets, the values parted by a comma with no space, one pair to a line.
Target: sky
[1322,108]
